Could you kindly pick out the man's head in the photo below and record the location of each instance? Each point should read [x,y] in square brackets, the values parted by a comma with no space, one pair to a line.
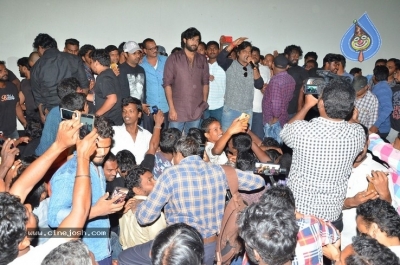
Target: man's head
[212,129]
[121,52]
[397,71]
[391,65]
[201,49]
[243,51]
[184,147]
[110,167]
[74,101]
[342,62]
[311,64]
[293,53]
[310,56]
[140,181]
[212,49]
[190,39]
[269,233]
[67,86]
[104,141]
[3,71]
[74,251]
[360,85]
[133,53]
[381,62]
[381,73]
[161,50]
[33,57]
[355,71]
[23,66]
[281,63]
[279,196]
[43,42]
[331,62]
[113,53]
[255,54]
[269,59]
[126,162]
[99,60]
[337,99]
[84,53]
[150,48]
[131,110]
[168,140]
[71,46]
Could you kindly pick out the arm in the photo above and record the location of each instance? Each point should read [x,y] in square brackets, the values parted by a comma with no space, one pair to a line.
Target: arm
[22,100]
[108,104]
[155,138]
[222,58]
[248,180]
[20,114]
[384,151]
[36,89]
[385,107]
[7,160]
[206,81]
[82,78]
[276,102]
[300,100]
[310,102]
[168,80]
[236,127]
[172,113]
[206,89]
[260,154]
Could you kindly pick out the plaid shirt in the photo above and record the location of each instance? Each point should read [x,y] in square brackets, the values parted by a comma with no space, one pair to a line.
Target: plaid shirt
[276,98]
[193,192]
[367,109]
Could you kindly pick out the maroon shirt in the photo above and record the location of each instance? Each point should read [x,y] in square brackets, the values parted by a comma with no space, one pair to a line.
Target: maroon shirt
[187,84]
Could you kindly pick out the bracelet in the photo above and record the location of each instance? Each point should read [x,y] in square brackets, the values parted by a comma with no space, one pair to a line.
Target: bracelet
[78,176]
[157,127]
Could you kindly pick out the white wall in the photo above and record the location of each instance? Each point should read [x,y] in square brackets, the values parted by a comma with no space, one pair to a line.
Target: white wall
[316,25]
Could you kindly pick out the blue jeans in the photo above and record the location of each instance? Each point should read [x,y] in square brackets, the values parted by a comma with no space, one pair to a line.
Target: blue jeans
[215,113]
[116,248]
[257,126]
[184,125]
[273,131]
[229,115]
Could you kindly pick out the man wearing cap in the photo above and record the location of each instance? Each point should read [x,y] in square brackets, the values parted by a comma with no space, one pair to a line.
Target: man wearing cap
[366,103]
[276,98]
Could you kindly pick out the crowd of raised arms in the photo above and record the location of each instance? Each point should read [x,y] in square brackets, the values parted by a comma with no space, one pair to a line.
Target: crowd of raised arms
[128,155]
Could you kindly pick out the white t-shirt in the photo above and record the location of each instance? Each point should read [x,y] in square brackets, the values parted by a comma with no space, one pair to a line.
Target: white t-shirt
[258,95]
[215,159]
[36,255]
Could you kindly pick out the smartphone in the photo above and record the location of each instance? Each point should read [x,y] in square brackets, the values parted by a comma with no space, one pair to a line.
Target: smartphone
[154,109]
[244,116]
[227,39]
[311,89]
[267,169]
[88,123]
[119,191]
[66,114]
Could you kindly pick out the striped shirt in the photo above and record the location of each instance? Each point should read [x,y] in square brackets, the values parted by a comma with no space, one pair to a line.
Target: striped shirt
[217,87]
[193,192]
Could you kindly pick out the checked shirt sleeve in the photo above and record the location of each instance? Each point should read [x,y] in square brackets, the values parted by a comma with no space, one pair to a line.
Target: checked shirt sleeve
[385,152]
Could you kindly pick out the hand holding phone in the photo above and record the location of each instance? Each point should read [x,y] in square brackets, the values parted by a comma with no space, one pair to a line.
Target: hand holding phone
[123,192]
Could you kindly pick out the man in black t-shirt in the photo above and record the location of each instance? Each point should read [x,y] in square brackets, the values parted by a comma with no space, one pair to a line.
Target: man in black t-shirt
[10,108]
[395,117]
[25,95]
[107,93]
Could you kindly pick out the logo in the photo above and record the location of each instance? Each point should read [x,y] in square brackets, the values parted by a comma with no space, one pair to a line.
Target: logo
[7,97]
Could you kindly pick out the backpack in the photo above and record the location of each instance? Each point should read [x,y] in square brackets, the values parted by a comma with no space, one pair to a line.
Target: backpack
[229,244]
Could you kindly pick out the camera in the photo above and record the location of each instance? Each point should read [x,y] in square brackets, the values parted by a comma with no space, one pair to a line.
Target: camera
[315,85]
[154,109]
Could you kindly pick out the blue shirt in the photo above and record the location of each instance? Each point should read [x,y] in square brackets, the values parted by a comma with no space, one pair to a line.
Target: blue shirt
[383,92]
[62,185]
[155,94]
[50,130]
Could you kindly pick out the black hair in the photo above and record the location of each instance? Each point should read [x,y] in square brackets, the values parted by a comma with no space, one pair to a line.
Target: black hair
[140,44]
[168,140]
[368,251]
[110,48]
[338,96]
[293,48]
[313,62]
[176,49]
[121,47]
[213,42]
[342,60]
[24,61]
[381,61]
[197,134]
[45,41]
[245,161]
[110,157]
[355,70]
[187,146]
[178,244]
[131,100]
[381,213]
[241,142]
[255,49]
[243,46]
[381,73]
[102,56]
[2,63]
[262,57]
[85,49]
[270,142]
[392,60]
[133,180]
[330,57]
[67,86]
[189,34]
[33,128]
[280,196]
[206,123]
[74,101]
[273,154]
[270,230]
[286,162]
[104,127]
[146,41]
[126,160]
[397,64]
[313,55]
[204,44]
[13,220]
[74,42]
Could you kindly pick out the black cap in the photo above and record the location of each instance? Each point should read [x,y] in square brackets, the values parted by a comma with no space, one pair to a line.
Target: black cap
[281,61]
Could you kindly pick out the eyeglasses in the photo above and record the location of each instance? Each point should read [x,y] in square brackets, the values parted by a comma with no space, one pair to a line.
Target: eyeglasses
[245,71]
[152,49]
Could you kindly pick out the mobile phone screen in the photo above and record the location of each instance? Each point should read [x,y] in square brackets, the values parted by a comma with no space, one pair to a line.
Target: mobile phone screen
[87,127]
[66,114]
[311,89]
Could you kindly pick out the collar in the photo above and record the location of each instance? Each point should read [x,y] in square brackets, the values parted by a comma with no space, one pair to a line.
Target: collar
[189,159]
[330,122]
[50,52]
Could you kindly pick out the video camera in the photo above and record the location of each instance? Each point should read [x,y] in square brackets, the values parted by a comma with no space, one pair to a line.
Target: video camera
[315,85]
[272,173]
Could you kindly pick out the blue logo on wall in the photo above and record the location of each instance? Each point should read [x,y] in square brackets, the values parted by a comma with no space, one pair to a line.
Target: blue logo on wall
[361,41]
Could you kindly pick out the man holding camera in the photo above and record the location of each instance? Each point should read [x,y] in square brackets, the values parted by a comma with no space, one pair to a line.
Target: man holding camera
[323,152]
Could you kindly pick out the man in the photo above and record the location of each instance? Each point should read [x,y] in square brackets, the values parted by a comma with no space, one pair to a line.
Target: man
[140,181]
[130,135]
[53,67]
[395,116]
[299,74]
[310,56]
[71,46]
[153,64]
[341,67]
[217,83]
[391,65]
[366,103]
[186,92]
[10,108]
[323,152]
[383,92]
[192,192]
[62,186]
[107,96]
[257,123]
[331,63]
[241,79]
[113,52]
[163,158]
[382,62]
[26,99]
[278,94]
[84,53]
[33,57]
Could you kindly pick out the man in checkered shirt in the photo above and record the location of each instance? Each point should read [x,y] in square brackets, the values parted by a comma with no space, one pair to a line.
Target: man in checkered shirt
[323,152]
[366,103]
[191,192]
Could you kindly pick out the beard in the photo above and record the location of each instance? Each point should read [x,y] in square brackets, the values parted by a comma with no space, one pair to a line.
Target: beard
[191,48]
[291,63]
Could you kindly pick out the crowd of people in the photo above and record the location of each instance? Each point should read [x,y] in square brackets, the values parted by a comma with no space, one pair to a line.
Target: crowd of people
[124,154]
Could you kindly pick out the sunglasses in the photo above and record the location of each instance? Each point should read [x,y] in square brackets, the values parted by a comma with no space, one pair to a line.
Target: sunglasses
[245,71]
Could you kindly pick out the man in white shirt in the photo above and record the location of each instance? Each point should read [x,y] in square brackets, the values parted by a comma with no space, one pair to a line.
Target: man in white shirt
[130,135]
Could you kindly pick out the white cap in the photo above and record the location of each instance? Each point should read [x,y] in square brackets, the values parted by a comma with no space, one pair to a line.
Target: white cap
[131,47]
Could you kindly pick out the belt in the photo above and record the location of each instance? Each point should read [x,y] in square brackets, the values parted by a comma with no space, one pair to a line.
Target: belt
[210,239]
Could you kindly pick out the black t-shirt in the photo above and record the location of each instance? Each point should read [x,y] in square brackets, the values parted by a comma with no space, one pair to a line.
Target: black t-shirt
[26,89]
[107,84]
[8,102]
[132,81]
[395,117]
[299,74]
